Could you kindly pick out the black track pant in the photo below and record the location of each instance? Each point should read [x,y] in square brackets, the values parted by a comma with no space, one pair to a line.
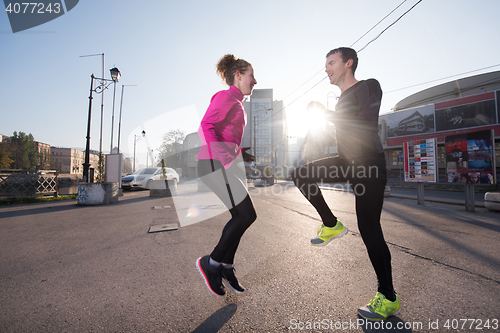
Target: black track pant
[368,180]
[234,194]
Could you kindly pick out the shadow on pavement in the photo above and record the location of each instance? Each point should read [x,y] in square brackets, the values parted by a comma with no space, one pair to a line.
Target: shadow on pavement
[435,232]
[35,209]
[66,205]
[215,322]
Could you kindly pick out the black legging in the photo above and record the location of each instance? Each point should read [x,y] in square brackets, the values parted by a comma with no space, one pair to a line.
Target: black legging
[368,180]
[234,194]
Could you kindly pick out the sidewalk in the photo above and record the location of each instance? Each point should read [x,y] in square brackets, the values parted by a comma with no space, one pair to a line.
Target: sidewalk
[430,195]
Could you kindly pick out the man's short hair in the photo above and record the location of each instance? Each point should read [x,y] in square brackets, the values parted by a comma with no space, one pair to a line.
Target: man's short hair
[346,53]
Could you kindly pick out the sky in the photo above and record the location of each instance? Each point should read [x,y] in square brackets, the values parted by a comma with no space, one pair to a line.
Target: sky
[166,52]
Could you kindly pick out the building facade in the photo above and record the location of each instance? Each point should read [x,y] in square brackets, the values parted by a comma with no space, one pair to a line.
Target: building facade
[191,147]
[44,155]
[70,161]
[458,107]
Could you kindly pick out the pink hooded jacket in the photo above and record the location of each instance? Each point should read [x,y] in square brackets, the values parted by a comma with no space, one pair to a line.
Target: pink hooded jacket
[222,126]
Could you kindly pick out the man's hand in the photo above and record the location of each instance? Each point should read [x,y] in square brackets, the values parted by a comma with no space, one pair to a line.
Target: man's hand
[246,156]
[320,108]
[317,106]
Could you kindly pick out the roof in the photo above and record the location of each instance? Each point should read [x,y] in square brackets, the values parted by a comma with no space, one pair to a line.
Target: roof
[468,86]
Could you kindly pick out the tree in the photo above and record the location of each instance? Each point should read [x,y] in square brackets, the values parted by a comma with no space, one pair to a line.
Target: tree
[6,160]
[101,172]
[24,151]
[171,148]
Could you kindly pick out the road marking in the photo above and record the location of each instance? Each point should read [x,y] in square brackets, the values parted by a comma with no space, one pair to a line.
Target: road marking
[164,227]
[160,207]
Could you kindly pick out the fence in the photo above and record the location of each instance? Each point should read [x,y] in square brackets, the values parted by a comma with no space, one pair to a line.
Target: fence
[24,184]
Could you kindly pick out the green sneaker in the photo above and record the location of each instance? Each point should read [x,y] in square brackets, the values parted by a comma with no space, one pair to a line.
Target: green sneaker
[326,234]
[380,308]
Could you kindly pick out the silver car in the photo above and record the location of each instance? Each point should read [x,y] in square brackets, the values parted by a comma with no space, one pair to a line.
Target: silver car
[143,178]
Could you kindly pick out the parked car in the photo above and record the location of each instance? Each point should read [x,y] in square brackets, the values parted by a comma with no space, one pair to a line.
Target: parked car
[142,178]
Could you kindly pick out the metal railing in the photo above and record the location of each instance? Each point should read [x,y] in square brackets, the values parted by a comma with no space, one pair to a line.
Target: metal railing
[22,183]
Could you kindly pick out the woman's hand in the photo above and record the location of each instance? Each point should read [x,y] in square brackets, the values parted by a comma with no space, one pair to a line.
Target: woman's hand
[246,156]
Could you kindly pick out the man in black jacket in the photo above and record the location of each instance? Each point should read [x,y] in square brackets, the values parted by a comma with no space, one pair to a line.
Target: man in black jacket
[360,163]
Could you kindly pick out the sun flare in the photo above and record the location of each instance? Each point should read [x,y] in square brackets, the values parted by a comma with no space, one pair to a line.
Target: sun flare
[299,123]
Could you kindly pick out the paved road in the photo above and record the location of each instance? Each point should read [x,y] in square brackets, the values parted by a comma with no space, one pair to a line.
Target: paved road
[67,268]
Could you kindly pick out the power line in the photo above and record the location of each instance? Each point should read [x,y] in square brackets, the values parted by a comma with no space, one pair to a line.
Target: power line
[380,34]
[303,94]
[283,108]
[303,84]
[366,33]
[273,114]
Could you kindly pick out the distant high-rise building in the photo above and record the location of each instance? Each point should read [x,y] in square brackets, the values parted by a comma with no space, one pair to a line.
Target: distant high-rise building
[266,130]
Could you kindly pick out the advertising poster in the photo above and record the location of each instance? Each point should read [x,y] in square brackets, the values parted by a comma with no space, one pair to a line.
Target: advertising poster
[414,121]
[480,113]
[421,161]
[469,158]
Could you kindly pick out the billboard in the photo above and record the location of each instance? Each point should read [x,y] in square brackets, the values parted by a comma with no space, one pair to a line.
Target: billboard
[414,121]
[441,119]
[480,113]
[470,158]
[421,160]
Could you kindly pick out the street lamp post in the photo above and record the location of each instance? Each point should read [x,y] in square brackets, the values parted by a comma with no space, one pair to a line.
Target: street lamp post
[102,97]
[120,120]
[115,75]
[86,165]
[328,99]
[98,90]
[135,140]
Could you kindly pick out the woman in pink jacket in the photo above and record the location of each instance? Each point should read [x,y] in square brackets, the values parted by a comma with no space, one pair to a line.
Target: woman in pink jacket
[221,132]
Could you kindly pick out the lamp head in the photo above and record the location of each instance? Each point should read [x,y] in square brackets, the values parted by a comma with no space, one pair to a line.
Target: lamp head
[143,132]
[115,74]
